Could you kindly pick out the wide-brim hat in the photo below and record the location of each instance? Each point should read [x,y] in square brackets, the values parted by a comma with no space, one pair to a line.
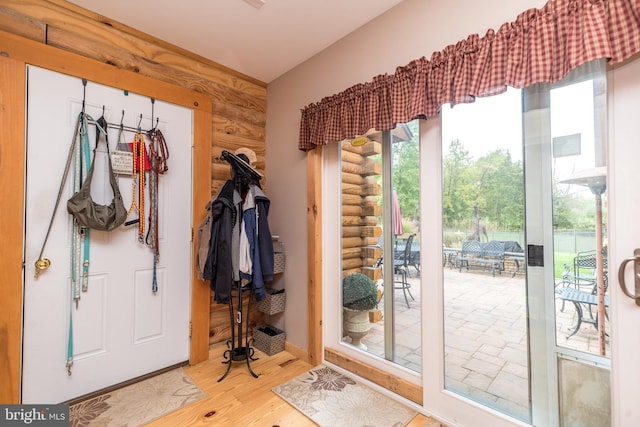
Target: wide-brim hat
[240,164]
[250,154]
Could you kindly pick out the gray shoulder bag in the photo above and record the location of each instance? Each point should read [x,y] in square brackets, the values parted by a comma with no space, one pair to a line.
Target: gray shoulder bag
[88,213]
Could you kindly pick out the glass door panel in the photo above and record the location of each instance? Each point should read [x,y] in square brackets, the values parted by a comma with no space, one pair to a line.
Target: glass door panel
[579,216]
[527,170]
[565,171]
[577,109]
[380,179]
[485,302]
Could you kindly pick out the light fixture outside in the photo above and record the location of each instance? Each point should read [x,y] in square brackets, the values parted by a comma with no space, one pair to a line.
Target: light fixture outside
[359,140]
[256,3]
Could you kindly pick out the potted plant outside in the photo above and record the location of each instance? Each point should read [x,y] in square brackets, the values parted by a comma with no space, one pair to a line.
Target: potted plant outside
[359,295]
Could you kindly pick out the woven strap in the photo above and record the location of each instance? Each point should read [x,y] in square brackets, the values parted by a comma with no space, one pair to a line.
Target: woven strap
[158,153]
[138,164]
[42,264]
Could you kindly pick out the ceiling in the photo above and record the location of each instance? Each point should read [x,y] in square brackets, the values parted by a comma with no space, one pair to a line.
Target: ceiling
[263,43]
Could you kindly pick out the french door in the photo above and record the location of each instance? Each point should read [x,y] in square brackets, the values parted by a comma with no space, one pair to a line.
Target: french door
[558,377]
[567,249]
[527,341]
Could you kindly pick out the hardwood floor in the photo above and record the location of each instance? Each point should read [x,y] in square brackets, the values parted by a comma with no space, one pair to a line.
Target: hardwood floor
[240,399]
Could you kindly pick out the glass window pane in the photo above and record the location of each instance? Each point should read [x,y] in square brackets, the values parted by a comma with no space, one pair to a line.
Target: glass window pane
[579,215]
[380,177]
[485,303]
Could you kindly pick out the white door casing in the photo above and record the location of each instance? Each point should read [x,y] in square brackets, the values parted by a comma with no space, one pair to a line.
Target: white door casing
[624,209]
[121,328]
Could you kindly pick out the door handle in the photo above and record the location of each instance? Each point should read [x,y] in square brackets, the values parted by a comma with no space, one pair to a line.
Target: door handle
[636,275]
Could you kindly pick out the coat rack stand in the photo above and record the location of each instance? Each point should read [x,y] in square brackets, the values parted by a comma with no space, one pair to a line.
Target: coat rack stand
[238,351]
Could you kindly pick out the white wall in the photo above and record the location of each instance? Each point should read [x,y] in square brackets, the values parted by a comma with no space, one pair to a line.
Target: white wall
[412,29]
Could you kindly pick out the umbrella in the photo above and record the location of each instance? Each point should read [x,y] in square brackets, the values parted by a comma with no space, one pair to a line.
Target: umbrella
[596,180]
[397,215]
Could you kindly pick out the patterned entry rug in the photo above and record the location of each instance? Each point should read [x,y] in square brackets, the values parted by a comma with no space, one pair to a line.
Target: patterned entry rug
[331,399]
[138,403]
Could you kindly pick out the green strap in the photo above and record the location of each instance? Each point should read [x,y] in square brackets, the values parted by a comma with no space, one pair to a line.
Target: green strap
[86,151]
[75,239]
[81,237]
[70,344]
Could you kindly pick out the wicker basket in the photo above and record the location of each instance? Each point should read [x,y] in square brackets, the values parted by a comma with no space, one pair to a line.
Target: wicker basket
[278,262]
[273,303]
[268,339]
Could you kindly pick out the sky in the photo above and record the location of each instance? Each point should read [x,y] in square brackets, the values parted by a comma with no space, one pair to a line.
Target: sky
[485,125]
[496,122]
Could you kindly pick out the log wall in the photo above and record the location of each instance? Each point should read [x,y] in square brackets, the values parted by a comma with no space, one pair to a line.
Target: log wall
[360,210]
[239,102]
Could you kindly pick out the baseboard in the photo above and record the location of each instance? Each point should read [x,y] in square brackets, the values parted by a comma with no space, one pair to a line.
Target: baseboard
[296,351]
[392,383]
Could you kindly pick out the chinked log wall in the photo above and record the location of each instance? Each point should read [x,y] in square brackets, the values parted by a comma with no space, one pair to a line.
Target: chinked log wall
[360,209]
[239,103]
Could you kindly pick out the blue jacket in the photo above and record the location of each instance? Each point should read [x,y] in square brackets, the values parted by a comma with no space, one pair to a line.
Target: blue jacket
[256,226]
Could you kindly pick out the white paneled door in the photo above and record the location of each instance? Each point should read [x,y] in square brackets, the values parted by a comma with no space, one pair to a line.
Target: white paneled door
[121,328]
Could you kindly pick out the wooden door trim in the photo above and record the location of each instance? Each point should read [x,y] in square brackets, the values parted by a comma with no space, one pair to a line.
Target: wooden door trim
[15,53]
[12,156]
[314,256]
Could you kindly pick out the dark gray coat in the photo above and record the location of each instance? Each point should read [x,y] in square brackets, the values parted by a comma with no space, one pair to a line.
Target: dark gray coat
[219,265]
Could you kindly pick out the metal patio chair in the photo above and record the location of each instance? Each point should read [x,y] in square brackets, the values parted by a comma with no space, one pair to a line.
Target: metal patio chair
[401,265]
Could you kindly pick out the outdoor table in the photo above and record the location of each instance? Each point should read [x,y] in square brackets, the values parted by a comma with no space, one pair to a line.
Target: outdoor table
[517,258]
[449,257]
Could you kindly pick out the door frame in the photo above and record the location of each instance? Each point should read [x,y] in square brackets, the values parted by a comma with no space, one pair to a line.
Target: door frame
[15,53]
[623,88]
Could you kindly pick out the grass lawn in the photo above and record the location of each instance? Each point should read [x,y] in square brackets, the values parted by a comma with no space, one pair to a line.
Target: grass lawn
[559,260]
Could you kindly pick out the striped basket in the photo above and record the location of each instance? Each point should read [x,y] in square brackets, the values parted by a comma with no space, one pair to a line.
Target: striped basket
[268,339]
[278,262]
[273,303]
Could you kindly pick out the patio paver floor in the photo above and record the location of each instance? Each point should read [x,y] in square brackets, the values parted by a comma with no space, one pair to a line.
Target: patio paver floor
[485,336]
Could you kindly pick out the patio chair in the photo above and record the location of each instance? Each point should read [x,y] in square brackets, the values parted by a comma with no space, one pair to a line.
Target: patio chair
[414,253]
[401,268]
[582,272]
[584,301]
[579,286]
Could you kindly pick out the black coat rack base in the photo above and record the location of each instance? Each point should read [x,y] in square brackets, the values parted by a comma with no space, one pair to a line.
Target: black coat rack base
[237,351]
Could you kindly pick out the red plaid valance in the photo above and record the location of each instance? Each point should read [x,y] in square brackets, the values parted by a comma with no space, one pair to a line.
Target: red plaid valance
[542,45]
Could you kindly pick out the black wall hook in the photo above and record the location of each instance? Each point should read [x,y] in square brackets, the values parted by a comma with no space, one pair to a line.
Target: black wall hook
[84,93]
[153,102]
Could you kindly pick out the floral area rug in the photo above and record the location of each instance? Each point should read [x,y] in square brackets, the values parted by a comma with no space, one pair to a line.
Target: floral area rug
[331,399]
[138,403]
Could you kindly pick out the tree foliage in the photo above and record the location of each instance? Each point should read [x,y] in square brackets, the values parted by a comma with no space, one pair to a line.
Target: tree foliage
[494,181]
[406,176]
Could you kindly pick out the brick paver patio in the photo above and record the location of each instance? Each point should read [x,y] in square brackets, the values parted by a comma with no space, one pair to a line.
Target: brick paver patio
[485,336]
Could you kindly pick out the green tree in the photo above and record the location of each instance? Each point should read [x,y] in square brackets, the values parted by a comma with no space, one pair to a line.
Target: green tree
[500,190]
[406,176]
[457,185]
